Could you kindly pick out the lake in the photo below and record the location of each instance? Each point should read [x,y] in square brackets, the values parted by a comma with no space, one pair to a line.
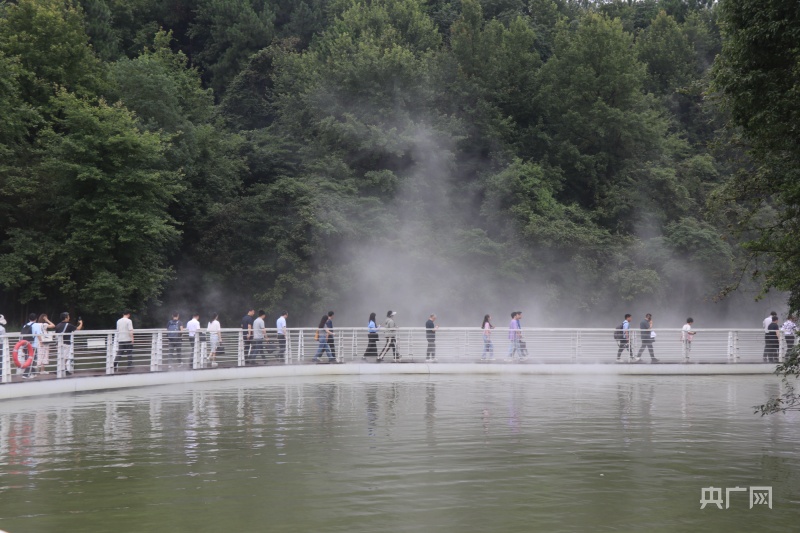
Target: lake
[402,454]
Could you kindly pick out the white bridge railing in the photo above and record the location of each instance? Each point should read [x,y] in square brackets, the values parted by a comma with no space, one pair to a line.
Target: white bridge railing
[95,352]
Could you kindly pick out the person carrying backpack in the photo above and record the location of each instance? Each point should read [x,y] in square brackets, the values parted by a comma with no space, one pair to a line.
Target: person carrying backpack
[174,336]
[27,334]
[622,336]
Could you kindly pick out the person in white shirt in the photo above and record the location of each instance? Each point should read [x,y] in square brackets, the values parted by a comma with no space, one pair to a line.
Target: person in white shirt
[33,338]
[45,339]
[124,339]
[192,327]
[215,332]
[686,337]
[788,329]
[37,328]
[280,324]
[767,321]
[259,336]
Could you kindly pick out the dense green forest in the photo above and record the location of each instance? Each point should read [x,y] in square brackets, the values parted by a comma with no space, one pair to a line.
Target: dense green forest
[473,155]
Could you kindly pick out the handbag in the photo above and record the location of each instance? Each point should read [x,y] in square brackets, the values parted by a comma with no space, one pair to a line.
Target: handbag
[47,337]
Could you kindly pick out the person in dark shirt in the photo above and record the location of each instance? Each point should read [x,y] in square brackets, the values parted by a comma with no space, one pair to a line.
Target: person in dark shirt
[430,334]
[247,335]
[332,335]
[175,338]
[66,355]
[645,327]
[772,342]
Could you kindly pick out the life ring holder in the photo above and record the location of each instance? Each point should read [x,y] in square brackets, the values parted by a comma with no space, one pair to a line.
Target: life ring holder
[15,354]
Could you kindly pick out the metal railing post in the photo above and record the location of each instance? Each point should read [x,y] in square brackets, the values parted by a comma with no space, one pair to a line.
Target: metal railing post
[730,346]
[60,360]
[240,349]
[111,352]
[156,351]
[196,350]
[6,371]
[577,347]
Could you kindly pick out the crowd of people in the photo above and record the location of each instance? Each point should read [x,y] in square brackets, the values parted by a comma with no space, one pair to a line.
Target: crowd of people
[40,333]
[257,342]
[773,333]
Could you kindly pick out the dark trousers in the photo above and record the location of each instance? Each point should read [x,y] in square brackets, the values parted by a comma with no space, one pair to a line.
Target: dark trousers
[125,349]
[391,342]
[175,351]
[282,345]
[430,353]
[258,350]
[624,344]
[372,345]
[789,344]
[771,347]
[331,345]
[646,343]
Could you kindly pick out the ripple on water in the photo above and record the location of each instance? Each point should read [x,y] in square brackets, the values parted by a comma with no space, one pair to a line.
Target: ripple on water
[532,453]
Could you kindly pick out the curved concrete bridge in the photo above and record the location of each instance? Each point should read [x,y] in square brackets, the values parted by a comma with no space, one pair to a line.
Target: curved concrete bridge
[87,363]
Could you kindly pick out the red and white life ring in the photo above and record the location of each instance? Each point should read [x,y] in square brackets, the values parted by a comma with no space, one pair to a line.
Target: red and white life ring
[27,362]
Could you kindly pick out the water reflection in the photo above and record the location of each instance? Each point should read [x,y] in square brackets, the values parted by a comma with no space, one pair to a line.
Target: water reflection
[504,454]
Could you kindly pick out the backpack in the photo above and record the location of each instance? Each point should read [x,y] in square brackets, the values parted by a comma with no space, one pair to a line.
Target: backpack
[619,333]
[27,332]
[174,328]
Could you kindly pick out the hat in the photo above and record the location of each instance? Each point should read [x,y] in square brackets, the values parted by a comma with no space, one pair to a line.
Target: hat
[394,313]
[2,320]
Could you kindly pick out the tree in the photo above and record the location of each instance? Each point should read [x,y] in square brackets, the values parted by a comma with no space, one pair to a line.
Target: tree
[597,124]
[666,51]
[48,39]
[102,187]
[228,32]
[757,75]
[167,96]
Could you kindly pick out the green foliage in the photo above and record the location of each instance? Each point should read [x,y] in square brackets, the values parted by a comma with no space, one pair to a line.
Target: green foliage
[524,195]
[15,115]
[100,184]
[47,37]
[229,31]
[597,123]
[757,74]
[666,51]
[261,149]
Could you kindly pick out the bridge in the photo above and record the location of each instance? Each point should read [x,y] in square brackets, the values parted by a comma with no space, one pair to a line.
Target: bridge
[92,353]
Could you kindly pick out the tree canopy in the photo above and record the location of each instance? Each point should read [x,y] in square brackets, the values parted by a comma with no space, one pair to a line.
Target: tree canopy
[213,154]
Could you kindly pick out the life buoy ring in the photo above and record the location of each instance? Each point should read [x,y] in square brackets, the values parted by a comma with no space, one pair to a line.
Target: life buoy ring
[27,362]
